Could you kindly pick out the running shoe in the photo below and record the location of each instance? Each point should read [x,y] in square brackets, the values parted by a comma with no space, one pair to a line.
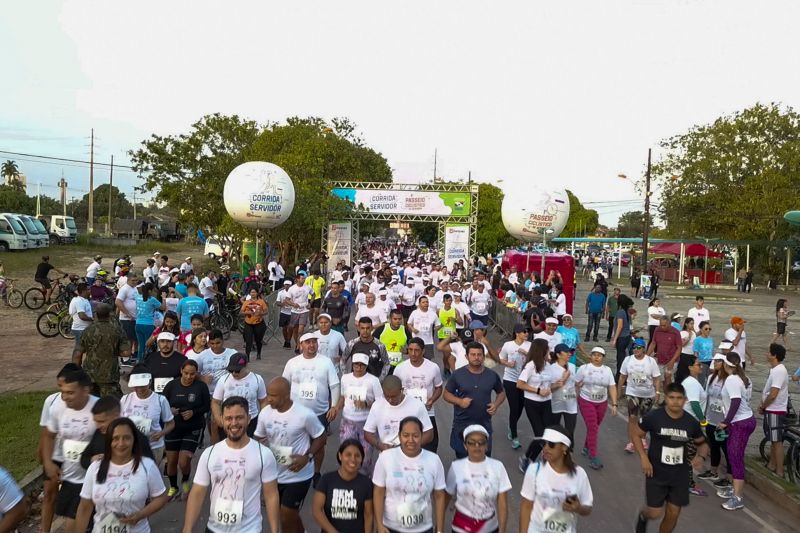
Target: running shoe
[722,483]
[173,493]
[709,475]
[641,523]
[629,448]
[509,435]
[725,493]
[595,463]
[523,464]
[585,451]
[286,344]
[734,503]
[515,445]
[697,491]
[185,488]
[131,361]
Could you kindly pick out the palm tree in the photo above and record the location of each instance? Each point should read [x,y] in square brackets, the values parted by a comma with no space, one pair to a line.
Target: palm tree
[10,171]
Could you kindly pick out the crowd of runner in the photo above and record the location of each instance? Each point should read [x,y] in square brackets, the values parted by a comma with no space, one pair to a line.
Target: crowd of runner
[420,345]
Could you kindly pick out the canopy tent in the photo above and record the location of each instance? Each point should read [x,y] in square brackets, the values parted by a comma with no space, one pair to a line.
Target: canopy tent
[691,250]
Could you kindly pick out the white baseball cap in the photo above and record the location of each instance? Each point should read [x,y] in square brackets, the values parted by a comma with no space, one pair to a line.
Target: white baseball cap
[165,336]
[139,380]
[361,358]
[551,320]
[308,336]
[598,349]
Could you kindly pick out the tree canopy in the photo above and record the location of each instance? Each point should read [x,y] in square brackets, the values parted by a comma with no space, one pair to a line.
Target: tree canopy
[581,221]
[10,171]
[13,200]
[120,206]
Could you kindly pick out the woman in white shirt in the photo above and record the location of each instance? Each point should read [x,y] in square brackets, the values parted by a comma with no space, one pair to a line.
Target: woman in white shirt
[654,314]
[409,494]
[595,384]
[555,491]
[123,488]
[512,357]
[535,381]
[479,485]
[359,391]
[564,401]
[148,410]
[740,423]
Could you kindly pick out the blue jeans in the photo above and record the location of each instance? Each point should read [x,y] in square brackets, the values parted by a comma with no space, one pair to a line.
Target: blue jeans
[77,333]
[593,326]
[143,332]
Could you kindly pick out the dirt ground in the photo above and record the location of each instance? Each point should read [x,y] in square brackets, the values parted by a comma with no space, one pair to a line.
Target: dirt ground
[29,361]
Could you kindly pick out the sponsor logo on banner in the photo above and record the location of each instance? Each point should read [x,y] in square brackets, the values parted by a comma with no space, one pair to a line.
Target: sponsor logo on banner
[456,244]
[340,235]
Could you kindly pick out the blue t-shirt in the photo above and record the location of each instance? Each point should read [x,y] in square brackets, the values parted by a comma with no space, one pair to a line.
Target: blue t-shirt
[191,305]
[182,289]
[626,323]
[596,302]
[479,387]
[569,336]
[145,310]
[704,346]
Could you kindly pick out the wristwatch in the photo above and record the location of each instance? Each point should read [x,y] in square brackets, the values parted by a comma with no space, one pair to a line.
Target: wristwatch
[309,456]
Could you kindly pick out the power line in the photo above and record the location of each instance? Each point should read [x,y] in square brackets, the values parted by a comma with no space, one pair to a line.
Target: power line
[53,158]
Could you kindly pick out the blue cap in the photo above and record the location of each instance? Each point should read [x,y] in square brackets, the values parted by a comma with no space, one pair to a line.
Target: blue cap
[477,324]
[640,342]
[562,348]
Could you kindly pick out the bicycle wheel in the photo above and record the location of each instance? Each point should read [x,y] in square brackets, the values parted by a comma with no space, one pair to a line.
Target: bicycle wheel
[47,324]
[34,298]
[764,450]
[14,298]
[65,326]
[791,464]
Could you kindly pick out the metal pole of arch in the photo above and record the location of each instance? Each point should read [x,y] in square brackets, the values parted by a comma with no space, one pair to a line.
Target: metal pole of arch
[788,263]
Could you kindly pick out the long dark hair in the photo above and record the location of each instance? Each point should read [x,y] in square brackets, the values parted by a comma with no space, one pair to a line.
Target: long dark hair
[736,359]
[538,353]
[136,450]
[780,304]
[176,329]
[624,302]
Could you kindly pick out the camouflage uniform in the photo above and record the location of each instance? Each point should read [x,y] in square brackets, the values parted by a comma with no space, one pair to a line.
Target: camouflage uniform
[102,344]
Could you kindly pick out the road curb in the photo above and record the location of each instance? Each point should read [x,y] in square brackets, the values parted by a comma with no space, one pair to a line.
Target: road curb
[760,479]
[32,481]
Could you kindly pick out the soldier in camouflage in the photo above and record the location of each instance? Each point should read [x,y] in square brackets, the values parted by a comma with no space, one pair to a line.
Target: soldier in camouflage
[101,347]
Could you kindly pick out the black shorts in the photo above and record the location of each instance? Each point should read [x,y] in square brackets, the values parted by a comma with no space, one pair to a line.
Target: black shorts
[283,320]
[781,328]
[45,282]
[323,419]
[316,304]
[183,438]
[292,495]
[68,499]
[129,327]
[674,491]
[58,464]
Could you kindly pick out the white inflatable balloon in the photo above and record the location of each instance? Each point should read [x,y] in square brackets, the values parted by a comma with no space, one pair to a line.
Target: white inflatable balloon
[526,213]
[259,195]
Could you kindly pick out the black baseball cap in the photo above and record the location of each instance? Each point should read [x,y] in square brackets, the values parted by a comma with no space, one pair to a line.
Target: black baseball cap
[237,362]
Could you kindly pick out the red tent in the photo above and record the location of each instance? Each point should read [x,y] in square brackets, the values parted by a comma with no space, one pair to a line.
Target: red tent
[691,250]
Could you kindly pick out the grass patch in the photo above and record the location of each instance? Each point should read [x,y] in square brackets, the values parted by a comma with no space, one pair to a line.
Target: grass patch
[19,423]
[755,464]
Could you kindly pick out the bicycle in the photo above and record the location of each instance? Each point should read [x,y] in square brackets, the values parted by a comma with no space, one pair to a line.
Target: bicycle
[11,296]
[35,296]
[791,451]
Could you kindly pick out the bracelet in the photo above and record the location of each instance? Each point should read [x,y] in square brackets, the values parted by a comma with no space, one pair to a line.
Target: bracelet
[537,391]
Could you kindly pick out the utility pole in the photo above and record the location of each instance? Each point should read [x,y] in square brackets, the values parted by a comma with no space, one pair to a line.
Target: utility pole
[110,187]
[63,186]
[646,235]
[134,204]
[435,156]
[38,199]
[90,222]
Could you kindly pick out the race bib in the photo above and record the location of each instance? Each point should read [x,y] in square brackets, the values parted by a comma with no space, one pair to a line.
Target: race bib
[411,514]
[424,327]
[283,454]
[597,396]
[111,524]
[227,512]
[420,394]
[142,424]
[480,307]
[672,456]
[555,521]
[395,357]
[639,379]
[73,450]
[569,395]
[357,393]
[160,383]
[716,407]
[308,390]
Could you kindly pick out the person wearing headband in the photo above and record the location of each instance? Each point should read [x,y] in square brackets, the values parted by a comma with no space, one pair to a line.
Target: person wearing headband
[148,410]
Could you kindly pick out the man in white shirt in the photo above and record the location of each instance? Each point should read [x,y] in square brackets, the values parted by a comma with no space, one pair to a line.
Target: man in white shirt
[383,422]
[699,313]
[126,306]
[208,287]
[424,322]
[240,381]
[422,380]
[376,313]
[297,299]
[276,273]
[91,271]
[81,311]
[187,266]
[330,342]
[480,301]
[774,405]
[550,334]
[738,338]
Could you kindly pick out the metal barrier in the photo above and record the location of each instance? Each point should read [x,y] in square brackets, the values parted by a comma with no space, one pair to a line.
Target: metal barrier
[504,318]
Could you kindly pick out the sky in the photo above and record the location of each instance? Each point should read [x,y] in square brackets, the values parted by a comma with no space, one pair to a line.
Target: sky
[520,94]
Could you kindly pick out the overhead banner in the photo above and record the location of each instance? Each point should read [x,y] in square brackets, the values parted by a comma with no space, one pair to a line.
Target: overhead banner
[456,244]
[391,202]
[340,244]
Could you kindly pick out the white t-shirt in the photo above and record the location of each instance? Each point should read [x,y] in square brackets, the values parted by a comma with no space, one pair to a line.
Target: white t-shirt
[210,363]
[409,482]
[147,414]
[408,296]
[475,487]
[236,477]
[653,310]
[52,408]
[384,418]
[741,348]
[699,315]
[331,345]
[460,354]
[10,493]
[279,272]
[694,393]
[127,295]
[596,381]
[79,304]
[283,294]
[289,433]
[366,388]
[420,381]
[376,313]
[205,288]
[312,380]
[123,493]
[564,399]
[734,388]
[91,272]
[536,379]
[462,310]
[552,340]
[299,295]
[74,429]
[561,305]
[641,375]
[778,378]
[424,321]
[511,351]
[251,388]
[688,348]
[479,303]
[186,267]
[715,407]
[548,490]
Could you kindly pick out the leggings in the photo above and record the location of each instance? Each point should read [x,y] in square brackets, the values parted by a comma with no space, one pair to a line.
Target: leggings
[717,448]
[593,414]
[516,404]
[570,419]
[623,343]
[254,334]
[738,434]
[143,332]
[540,416]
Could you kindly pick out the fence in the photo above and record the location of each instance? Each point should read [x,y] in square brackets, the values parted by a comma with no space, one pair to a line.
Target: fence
[504,318]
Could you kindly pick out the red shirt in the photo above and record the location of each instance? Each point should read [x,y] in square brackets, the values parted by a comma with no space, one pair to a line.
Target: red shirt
[667,343]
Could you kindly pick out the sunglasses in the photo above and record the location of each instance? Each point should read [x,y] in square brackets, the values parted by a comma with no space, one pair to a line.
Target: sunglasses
[551,444]
[474,443]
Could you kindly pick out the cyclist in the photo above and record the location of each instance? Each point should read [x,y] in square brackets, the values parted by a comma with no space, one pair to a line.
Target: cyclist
[41,276]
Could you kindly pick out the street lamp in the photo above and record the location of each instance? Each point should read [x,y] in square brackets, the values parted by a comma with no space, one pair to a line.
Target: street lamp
[544,232]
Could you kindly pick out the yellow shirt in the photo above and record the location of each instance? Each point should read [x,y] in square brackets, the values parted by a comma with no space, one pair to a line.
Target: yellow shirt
[316,285]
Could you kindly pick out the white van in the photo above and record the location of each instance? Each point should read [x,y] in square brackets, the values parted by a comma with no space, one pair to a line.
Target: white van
[43,236]
[62,228]
[12,234]
[34,239]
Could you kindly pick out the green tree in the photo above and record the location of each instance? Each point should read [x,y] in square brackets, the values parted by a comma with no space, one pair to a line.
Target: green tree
[13,200]
[10,171]
[581,221]
[120,206]
[631,224]
[492,235]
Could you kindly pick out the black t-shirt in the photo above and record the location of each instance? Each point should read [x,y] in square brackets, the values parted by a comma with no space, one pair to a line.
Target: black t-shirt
[668,438]
[335,305]
[165,367]
[42,270]
[344,500]
[371,350]
[479,387]
[195,398]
